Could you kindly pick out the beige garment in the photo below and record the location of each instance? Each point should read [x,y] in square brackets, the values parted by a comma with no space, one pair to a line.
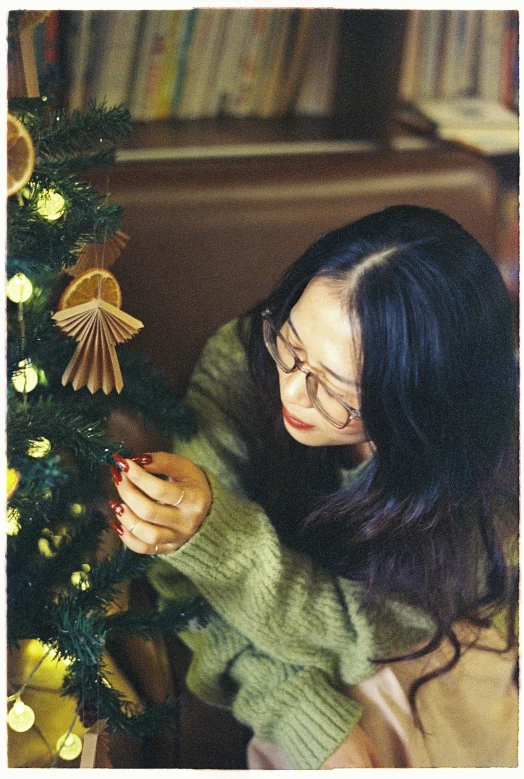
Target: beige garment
[470,714]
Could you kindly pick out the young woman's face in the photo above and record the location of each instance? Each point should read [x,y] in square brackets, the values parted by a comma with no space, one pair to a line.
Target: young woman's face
[320,333]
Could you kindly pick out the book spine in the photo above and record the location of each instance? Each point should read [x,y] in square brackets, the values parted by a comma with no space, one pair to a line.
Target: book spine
[79,45]
[148,29]
[154,69]
[410,68]
[490,54]
[316,93]
[185,45]
[430,53]
[168,72]
[242,103]
[114,67]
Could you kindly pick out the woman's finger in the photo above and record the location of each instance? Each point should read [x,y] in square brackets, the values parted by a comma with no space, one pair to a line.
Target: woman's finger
[160,490]
[139,535]
[145,507]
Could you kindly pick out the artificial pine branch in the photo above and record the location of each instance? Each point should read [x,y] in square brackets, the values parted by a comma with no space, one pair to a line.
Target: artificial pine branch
[59,505]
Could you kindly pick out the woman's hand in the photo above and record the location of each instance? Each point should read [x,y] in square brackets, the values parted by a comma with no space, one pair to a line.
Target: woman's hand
[156,515]
[357,751]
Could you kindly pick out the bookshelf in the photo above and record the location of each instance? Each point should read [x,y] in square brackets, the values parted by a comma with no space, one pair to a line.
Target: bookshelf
[357,95]
[217,206]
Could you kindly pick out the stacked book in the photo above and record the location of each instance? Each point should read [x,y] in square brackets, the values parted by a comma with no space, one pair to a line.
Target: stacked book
[459,77]
[204,62]
[449,54]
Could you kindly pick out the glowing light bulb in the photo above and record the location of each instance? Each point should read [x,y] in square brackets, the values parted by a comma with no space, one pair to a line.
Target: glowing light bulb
[26,377]
[77,509]
[12,523]
[69,746]
[19,289]
[80,579]
[13,480]
[39,447]
[44,547]
[20,717]
[50,204]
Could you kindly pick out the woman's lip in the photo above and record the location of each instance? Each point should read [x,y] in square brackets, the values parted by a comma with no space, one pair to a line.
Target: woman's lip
[295,422]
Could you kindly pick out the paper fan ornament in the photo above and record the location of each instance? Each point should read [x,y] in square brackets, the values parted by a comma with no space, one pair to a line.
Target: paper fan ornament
[89,311]
[99,255]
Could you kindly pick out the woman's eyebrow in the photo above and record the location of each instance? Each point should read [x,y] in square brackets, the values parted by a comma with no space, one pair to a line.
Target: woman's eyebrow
[343,379]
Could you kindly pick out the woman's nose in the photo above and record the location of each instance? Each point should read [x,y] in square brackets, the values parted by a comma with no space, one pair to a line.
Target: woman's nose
[293,388]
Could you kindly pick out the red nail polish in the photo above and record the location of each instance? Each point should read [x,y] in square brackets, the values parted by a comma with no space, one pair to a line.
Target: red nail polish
[117,476]
[117,507]
[142,459]
[116,527]
[120,462]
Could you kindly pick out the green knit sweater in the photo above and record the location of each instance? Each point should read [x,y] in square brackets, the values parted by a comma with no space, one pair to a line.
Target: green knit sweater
[285,638]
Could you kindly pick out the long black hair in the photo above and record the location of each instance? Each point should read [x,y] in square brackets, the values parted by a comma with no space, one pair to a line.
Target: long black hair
[431,518]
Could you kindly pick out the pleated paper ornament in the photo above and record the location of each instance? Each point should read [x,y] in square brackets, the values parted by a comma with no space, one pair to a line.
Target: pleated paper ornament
[97,325]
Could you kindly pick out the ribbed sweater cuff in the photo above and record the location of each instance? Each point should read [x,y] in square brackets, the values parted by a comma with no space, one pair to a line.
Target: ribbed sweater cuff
[314,720]
[217,551]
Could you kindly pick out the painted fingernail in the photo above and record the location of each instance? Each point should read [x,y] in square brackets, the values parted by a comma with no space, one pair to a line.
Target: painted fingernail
[142,459]
[117,476]
[117,527]
[117,507]
[120,462]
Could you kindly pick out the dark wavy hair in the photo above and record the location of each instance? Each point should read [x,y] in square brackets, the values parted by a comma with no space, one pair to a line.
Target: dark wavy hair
[432,518]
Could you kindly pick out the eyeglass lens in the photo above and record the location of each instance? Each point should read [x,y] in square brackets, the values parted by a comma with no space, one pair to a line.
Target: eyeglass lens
[319,394]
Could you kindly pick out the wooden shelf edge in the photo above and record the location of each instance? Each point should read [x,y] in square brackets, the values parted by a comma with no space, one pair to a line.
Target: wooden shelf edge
[279,148]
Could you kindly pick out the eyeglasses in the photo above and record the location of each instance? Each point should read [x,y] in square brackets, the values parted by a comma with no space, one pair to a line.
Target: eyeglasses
[327,403]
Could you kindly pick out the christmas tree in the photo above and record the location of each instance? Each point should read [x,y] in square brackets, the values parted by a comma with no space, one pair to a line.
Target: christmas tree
[65,380]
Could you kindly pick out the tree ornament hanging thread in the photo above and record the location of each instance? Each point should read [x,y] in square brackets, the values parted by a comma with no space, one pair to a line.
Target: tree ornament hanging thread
[89,311]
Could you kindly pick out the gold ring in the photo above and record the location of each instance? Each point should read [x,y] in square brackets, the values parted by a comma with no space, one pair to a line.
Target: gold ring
[179,501]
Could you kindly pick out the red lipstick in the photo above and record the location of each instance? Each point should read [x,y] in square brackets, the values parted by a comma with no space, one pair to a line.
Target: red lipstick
[296,423]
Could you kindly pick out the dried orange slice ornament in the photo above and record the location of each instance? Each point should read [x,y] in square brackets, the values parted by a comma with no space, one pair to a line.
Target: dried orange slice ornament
[95,283]
[20,155]
[90,311]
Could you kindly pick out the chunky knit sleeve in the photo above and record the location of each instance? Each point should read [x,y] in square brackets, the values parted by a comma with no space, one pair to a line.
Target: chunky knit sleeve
[293,707]
[278,599]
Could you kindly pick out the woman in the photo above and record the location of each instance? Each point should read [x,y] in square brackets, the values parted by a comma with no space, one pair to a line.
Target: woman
[347,506]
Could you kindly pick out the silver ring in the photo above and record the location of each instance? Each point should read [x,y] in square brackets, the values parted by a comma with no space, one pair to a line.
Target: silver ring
[156,549]
[135,523]
[179,501]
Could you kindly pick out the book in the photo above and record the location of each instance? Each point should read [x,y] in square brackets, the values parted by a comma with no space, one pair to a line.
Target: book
[230,66]
[268,100]
[169,65]
[408,82]
[204,93]
[79,26]
[267,60]
[113,74]
[482,125]
[490,54]
[297,47]
[194,70]
[430,53]
[452,48]
[469,33]
[509,61]
[151,93]
[184,46]
[242,102]
[315,97]
[194,39]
